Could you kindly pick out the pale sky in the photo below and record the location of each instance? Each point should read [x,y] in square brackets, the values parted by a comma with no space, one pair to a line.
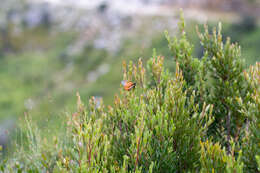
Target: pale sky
[124,6]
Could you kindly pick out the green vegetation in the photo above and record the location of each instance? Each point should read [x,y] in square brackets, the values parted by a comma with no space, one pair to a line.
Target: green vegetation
[204,117]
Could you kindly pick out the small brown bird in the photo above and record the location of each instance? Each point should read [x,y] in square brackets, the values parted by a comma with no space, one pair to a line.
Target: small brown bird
[128,85]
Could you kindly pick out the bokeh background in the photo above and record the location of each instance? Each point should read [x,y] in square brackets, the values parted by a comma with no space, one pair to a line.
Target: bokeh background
[51,49]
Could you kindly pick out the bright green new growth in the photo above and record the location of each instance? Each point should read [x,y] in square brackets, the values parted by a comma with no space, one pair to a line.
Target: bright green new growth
[202,118]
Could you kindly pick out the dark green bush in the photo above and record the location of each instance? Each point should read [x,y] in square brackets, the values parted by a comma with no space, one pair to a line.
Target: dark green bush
[202,118]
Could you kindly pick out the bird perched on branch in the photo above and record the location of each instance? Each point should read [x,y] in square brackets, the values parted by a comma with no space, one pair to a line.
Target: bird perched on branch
[128,85]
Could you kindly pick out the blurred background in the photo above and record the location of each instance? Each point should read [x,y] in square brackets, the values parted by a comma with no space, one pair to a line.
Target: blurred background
[50,49]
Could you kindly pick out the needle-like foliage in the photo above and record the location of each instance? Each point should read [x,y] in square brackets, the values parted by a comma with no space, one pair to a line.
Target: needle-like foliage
[202,118]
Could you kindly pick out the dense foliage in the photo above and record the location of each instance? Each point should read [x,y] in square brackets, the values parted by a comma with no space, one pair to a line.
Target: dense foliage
[202,118]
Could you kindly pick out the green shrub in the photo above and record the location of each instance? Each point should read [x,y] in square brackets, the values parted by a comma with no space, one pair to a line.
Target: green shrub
[215,159]
[202,118]
[251,109]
